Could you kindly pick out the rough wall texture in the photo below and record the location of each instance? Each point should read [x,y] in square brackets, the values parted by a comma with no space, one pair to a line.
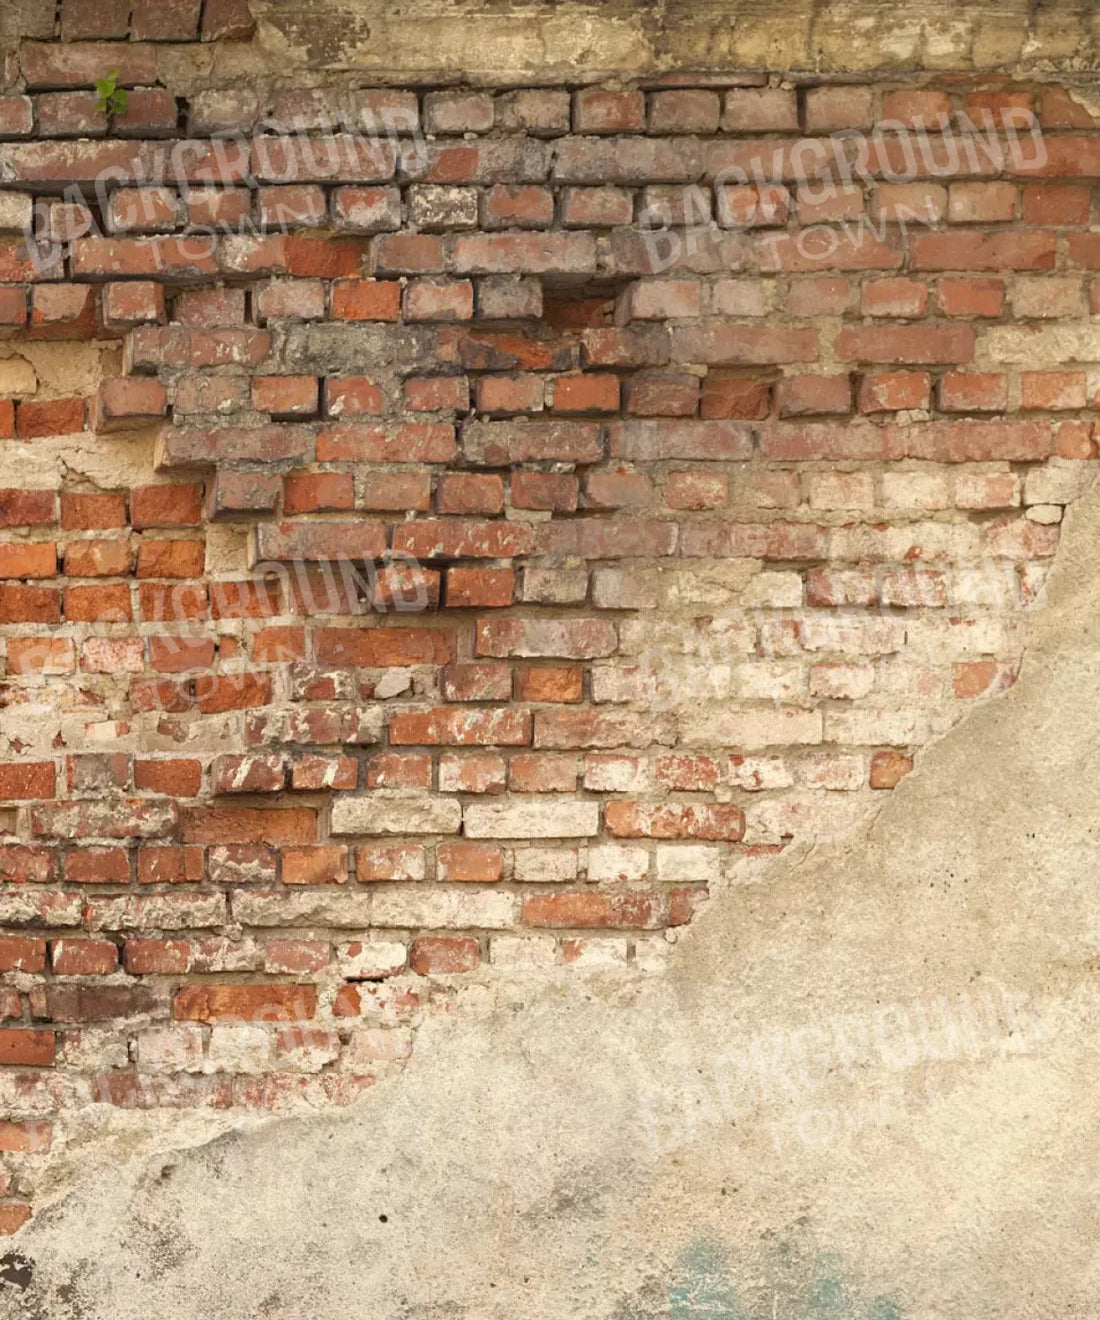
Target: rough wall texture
[452,530]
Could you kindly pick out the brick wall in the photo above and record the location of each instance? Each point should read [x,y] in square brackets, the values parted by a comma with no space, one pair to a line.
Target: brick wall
[564,498]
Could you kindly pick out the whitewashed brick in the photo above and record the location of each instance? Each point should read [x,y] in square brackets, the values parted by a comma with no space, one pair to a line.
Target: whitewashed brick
[543,819]
[545,865]
[688,863]
[377,815]
[367,959]
[523,951]
[445,909]
[612,862]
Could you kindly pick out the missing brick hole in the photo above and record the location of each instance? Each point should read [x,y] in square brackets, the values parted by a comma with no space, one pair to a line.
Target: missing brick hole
[582,306]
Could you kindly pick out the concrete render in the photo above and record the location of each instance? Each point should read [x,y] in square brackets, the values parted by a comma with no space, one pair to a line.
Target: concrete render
[865,1086]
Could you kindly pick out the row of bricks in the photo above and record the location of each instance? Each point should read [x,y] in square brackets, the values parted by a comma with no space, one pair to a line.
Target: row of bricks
[128,403]
[626,251]
[140,20]
[747,108]
[455,207]
[272,636]
[381,907]
[509,443]
[472,772]
[354,158]
[549,113]
[231,865]
[323,541]
[68,311]
[795,664]
[485,493]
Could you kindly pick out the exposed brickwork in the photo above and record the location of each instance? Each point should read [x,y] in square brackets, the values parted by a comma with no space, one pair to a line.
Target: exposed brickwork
[587,571]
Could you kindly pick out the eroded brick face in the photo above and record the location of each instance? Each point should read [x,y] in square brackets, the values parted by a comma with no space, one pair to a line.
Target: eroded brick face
[618,506]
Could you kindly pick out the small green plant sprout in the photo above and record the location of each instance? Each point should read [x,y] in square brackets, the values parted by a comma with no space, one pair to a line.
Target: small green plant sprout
[112,98]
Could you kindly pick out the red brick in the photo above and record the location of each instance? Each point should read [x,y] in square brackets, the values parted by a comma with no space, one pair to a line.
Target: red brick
[917,107]
[618,490]
[84,957]
[41,655]
[802,395]
[588,392]
[477,682]
[248,774]
[99,604]
[35,419]
[23,1048]
[580,910]
[556,684]
[27,508]
[906,344]
[596,208]
[366,300]
[171,559]
[216,693]
[399,491]
[473,862]
[127,404]
[25,1137]
[469,493]
[244,1003]
[1008,250]
[724,395]
[460,727]
[655,394]
[33,559]
[599,111]
[352,396]
[406,254]
[894,297]
[399,770]
[439,955]
[973,392]
[166,506]
[98,866]
[315,866]
[479,587]
[437,393]
[1056,204]
[13,1215]
[675,820]
[1054,390]
[971,297]
[62,311]
[22,954]
[696,490]
[227,20]
[22,604]
[545,490]
[510,394]
[888,768]
[437,298]
[308,492]
[894,391]
[981,203]
[108,558]
[157,957]
[380,648]
[378,862]
[521,205]
[285,396]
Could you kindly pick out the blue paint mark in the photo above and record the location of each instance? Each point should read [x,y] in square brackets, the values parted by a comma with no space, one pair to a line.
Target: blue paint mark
[791,1283]
[706,1289]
